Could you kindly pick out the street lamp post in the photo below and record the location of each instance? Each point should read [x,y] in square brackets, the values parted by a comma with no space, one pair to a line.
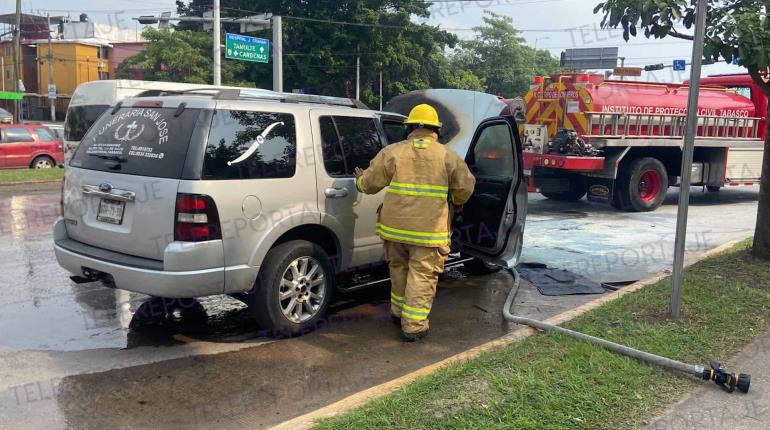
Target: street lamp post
[539,39]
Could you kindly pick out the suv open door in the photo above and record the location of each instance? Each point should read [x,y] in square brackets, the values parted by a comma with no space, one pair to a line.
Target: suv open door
[491,226]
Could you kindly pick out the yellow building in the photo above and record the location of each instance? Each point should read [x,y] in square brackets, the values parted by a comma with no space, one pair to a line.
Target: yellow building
[73,62]
[80,51]
[6,66]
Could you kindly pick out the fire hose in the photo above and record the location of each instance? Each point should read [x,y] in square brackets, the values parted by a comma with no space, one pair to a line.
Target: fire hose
[715,372]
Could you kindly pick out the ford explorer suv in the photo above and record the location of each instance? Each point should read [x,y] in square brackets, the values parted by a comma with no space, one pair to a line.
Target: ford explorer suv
[32,146]
[252,194]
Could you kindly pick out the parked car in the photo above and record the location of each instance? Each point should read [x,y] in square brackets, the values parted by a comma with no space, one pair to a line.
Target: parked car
[254,195]
[29,145]
[5,117]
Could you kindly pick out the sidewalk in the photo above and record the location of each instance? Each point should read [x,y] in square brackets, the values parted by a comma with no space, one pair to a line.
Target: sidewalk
[710,408]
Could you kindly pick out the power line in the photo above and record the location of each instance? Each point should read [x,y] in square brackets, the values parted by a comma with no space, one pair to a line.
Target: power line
[411,25]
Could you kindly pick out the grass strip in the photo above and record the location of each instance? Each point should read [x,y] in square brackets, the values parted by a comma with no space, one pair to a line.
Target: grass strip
[20,176]
[550,381]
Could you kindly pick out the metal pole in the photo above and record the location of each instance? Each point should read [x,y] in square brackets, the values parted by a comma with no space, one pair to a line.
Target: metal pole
[380,87]
[217,48]
[50,70]
[2,66]
[277,54]
[16,61]
[622,64]
[358,78]
[687,153]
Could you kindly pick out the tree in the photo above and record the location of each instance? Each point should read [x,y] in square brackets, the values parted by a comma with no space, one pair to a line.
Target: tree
[498,55]
[734,28]
[323,38]
[177,56]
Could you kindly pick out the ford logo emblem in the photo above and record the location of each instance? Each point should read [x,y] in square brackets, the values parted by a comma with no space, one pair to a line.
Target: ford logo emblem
[105,187]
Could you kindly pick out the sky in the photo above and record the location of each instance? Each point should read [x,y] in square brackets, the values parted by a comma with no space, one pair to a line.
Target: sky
[555,25]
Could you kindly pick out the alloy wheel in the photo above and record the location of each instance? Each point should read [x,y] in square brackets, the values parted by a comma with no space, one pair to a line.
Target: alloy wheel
[302,289]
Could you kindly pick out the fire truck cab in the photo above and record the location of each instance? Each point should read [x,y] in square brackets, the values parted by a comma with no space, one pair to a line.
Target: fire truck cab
[620,142]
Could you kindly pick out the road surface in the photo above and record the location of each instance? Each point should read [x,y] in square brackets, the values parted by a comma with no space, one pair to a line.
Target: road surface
[85,356]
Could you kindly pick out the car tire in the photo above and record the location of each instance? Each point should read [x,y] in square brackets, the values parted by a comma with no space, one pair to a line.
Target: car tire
[286,299]
[42,162]
[477,267]
[713,188]
[577,190]
[642,185]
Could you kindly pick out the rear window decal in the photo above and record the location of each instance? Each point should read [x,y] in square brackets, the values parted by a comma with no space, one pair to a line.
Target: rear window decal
[130,132]
[131,124]
[255,144]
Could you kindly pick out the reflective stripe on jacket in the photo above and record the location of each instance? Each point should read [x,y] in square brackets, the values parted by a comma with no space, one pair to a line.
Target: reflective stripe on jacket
[421,174]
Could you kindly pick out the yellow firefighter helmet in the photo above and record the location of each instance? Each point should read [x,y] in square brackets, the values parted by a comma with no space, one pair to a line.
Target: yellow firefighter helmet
[423,115]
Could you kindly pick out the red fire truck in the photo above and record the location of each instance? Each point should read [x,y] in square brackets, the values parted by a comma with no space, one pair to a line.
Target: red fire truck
[619,142]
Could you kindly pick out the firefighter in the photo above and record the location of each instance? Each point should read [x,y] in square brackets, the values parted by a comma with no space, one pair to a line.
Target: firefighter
[422,176]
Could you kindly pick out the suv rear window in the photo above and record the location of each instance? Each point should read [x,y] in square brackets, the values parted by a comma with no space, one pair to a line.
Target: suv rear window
[251,145]
[139,141]
[79,120]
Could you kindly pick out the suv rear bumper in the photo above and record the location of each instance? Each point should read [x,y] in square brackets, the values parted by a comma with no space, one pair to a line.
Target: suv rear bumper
[144,275]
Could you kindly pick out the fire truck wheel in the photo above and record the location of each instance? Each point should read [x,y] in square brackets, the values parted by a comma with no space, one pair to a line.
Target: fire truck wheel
[577,190]
[643,184]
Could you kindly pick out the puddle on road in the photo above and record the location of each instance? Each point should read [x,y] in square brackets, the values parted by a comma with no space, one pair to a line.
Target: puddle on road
[94,317]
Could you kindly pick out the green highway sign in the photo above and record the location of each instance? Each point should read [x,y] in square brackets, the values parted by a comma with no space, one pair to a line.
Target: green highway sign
[10,95]
[247,48]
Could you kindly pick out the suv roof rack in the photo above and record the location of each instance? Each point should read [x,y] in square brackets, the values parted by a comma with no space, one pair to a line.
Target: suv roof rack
[253,94]
[258,94]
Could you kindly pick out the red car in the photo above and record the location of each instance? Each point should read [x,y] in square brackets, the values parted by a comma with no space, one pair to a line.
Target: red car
[29,145]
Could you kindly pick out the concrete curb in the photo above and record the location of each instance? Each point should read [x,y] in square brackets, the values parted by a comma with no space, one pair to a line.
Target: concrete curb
[362,397]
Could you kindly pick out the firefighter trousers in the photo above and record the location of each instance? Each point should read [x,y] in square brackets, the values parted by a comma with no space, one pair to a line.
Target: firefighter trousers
[414,274]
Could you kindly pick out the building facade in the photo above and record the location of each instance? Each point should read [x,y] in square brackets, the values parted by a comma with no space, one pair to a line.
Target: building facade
[75,54]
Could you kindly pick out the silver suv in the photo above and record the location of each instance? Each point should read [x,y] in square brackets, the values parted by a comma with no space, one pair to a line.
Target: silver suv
[251,193]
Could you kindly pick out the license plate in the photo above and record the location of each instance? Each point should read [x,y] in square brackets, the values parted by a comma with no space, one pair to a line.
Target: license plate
[111,211]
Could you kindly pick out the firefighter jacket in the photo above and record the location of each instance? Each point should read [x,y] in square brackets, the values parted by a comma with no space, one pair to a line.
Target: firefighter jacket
[421,175]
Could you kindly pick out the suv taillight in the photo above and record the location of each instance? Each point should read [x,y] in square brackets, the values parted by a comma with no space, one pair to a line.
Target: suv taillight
[196,219]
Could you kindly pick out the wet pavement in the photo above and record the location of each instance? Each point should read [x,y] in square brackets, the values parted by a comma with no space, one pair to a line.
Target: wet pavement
[86,356]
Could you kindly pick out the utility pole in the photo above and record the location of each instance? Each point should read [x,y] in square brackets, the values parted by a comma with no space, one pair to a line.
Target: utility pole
[380,87]
[16,61]
[358,78]
[217,45]
[277,25]
[50,71]
[687,154]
